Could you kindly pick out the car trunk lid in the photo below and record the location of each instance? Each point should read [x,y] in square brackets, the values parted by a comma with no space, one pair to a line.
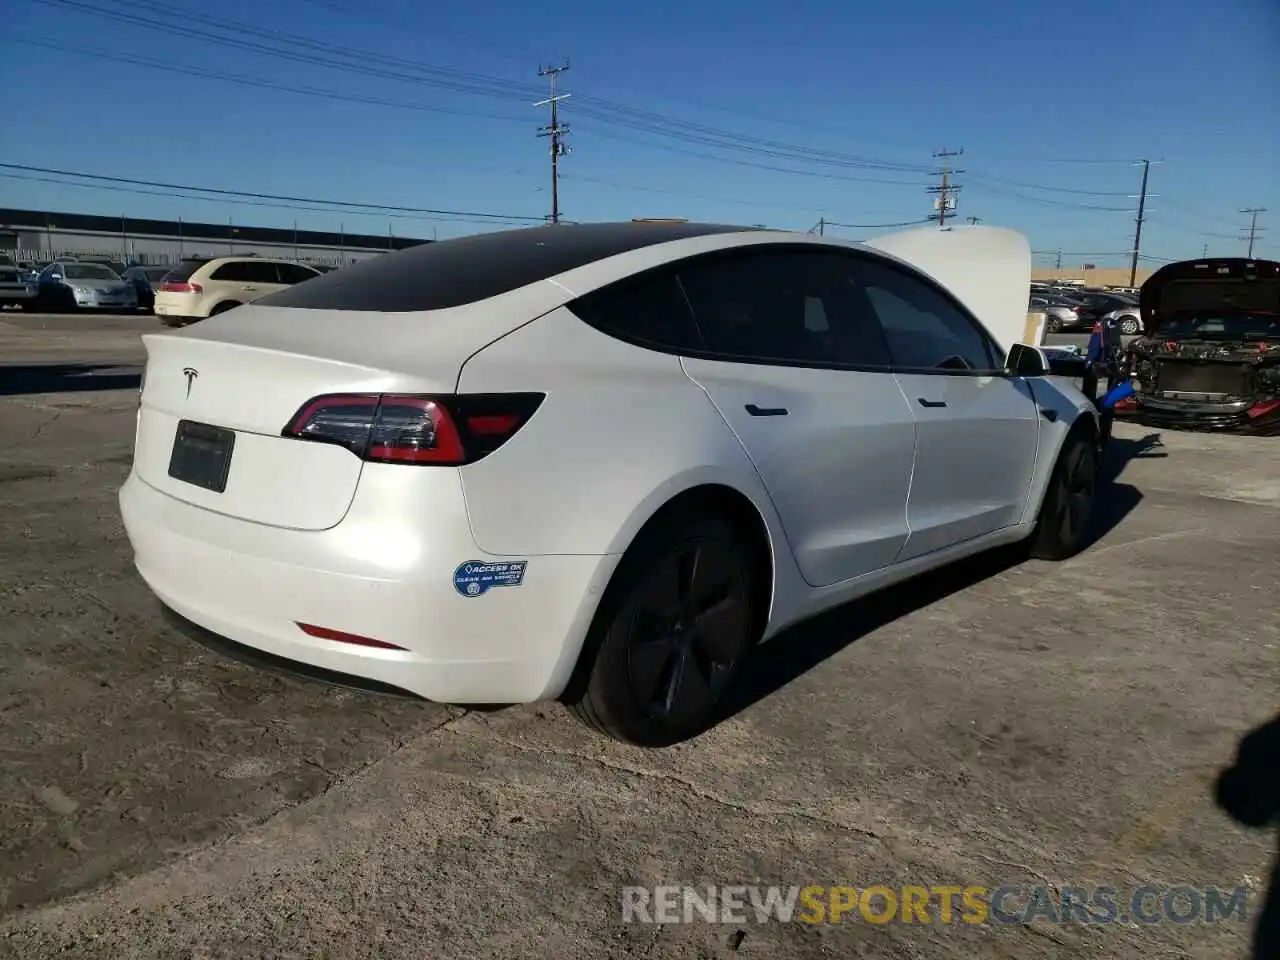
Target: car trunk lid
[249,371]
[1217,288]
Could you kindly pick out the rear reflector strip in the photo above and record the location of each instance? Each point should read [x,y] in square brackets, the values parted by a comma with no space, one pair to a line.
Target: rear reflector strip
[324,633]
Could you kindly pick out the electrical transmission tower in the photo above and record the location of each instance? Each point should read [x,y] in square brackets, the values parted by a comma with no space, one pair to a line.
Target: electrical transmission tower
[1253,227]
[556,131]
[946,191]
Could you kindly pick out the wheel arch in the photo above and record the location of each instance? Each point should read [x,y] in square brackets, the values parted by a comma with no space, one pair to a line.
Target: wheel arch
[1074,415]
[715,497]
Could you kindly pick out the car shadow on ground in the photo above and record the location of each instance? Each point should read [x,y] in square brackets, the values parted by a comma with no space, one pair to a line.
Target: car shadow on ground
[805,646]
[20,379]
[1249,792]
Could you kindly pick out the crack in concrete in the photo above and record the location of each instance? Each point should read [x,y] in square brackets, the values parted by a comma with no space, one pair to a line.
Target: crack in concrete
[752,810]
[57,415]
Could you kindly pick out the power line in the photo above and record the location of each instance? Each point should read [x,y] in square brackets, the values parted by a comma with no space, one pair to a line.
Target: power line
[1035,186]
[260,83]
[138,191]
[1253,226]
[555,131]
[946,191]
[380,65]
[821,225]
[218,191]
[318,53]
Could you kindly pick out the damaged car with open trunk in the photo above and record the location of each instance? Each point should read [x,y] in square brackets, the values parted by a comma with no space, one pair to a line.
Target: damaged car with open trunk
[1210,358]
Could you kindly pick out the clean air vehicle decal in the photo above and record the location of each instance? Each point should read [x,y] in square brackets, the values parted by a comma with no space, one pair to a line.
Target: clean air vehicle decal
[475,577]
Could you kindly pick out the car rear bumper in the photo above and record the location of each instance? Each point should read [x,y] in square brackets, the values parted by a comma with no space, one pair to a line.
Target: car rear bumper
[252,585]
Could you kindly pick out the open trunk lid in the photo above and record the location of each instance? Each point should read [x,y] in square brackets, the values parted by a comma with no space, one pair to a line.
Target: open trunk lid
[1224,288]
[250,370]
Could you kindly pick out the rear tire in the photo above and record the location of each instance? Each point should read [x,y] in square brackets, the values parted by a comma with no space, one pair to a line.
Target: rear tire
[1062,528]
[671,632]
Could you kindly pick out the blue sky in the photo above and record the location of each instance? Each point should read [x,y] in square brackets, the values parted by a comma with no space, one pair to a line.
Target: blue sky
[750,112]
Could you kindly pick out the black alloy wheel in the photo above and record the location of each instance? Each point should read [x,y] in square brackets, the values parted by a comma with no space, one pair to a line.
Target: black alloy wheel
[670,634]
[686,630]
[1063,525]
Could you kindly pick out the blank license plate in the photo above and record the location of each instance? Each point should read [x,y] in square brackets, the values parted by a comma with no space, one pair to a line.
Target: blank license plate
[202,455]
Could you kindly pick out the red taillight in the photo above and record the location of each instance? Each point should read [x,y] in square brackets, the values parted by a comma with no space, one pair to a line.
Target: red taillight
[398,428]
[1263,407]
[170,286]
[341,636]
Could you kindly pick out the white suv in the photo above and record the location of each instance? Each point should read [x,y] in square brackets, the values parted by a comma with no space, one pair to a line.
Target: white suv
[197,289]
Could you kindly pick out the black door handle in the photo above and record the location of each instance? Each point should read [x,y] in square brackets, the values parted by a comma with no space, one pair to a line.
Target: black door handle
[766,411]
[931,403]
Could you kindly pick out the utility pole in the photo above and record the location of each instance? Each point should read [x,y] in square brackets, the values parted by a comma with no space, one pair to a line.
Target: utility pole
[1057,265]
[947,190]
[1205,252]
[1253,226]
[556,131]
[1137,234]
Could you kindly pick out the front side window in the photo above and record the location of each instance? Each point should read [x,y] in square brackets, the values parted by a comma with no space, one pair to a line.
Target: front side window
[924,329]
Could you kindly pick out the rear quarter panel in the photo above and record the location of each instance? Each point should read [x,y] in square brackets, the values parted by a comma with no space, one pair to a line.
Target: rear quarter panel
[622,430]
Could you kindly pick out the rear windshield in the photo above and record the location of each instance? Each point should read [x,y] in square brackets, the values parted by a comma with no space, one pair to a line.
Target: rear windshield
[450,273]
[184,270]
[155,273]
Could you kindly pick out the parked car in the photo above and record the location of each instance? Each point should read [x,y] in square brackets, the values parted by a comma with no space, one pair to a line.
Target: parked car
[1096,305]
[597,463]
[1061,314]
[145,280]
[1211,355]
[1127,318]
[16,289]
[197,289]
[83,286]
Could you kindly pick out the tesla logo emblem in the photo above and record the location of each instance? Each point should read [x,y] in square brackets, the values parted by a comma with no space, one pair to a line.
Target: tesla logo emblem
[190,373]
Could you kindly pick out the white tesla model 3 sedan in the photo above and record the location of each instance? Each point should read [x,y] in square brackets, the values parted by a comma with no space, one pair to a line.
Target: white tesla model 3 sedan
[596,463]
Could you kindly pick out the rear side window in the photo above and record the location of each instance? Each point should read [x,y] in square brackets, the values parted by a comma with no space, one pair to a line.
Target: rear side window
[237,271]
[650,311]
[788,306]
[292,273]
[183,271]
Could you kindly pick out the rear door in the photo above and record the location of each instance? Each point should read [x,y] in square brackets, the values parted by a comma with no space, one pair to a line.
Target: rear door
[977,430]
[803,381]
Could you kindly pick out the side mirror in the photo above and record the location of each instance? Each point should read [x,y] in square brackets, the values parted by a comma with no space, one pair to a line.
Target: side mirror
[1026,361]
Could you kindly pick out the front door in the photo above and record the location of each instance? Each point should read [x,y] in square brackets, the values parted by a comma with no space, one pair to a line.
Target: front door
[802,379]
[977,429]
